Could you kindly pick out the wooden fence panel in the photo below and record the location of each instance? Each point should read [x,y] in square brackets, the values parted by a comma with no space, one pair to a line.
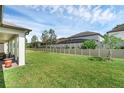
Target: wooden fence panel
[85,52]
[72,51]
[94,52]
[104,52]
[116,53]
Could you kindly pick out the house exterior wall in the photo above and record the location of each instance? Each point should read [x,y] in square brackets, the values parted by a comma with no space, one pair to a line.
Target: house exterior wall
[16,45]
[97,38]
[21,49]
[101,39]
[74,45]
[17,48]
[94,37]
[119,34]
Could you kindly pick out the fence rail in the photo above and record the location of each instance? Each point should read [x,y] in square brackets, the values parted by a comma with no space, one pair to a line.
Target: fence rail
[116,53]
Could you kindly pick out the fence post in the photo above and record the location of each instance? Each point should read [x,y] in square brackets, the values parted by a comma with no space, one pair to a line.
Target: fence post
[46,48]
[53,49]
[60,50]
[89,52]
[56,49]
[68,50]
[98,52]
[50,48]
[111,53]
[81,51]
[64,50]
[75,50]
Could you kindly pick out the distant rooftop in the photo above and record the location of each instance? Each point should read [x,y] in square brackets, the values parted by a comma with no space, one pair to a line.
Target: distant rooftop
[86,33]
[118,28]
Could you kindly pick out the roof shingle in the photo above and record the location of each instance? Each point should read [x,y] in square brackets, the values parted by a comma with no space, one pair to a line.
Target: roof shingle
[117,29]
[83,34]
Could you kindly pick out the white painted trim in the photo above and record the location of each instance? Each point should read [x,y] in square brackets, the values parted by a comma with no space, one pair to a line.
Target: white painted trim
[10,31]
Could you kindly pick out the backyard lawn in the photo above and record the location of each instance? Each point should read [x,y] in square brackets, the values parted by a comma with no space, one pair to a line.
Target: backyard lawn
[51,70]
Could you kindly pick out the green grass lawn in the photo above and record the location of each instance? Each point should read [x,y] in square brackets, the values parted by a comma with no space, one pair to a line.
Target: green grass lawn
[59,70]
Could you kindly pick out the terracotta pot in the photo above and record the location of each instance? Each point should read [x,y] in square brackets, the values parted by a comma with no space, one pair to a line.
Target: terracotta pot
[8,63]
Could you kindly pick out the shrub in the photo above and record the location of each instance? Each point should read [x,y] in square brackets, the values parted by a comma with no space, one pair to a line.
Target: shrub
[89,44]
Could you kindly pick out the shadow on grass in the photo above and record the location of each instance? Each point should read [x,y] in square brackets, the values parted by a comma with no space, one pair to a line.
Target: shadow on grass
[2,82]
[99,59]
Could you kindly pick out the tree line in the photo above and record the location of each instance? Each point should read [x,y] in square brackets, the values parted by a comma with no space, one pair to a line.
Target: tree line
[48,37]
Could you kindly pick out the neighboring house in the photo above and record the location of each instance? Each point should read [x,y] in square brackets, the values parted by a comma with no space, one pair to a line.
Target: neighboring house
[36,44]
[118,32]
[13,38]
[76,40]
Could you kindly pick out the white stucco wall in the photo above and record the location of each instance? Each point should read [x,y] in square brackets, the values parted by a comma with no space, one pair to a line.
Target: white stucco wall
[16,44]
[119,34]
[21,49]
[17,48]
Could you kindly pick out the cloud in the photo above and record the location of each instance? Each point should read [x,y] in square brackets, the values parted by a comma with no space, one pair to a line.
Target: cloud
[91,14]
[65,19]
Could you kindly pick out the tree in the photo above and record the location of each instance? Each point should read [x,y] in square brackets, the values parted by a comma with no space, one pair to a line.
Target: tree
[45,37]
[34,40]
[52,36]
[89,44]
[111,42]
[49,37]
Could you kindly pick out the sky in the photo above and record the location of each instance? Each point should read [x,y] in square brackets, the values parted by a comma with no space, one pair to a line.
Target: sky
[66,20]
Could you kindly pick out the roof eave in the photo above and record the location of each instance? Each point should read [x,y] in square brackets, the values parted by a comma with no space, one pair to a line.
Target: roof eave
[114,31]
[17,28]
